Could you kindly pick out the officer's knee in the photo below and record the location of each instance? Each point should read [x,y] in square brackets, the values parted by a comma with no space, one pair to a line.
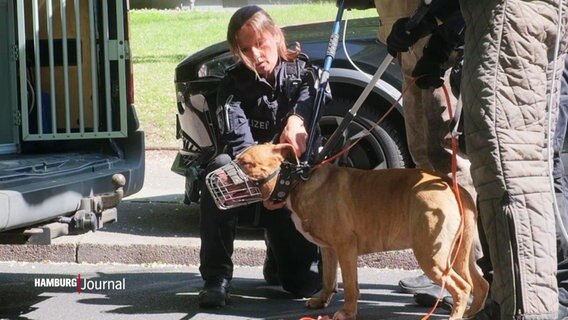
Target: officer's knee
[218,162]
[302,288]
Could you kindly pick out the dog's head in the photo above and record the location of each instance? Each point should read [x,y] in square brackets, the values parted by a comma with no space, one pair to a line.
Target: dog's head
[251,177]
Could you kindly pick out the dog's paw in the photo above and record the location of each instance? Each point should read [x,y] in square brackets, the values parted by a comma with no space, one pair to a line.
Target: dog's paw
[317,302]
[344,315]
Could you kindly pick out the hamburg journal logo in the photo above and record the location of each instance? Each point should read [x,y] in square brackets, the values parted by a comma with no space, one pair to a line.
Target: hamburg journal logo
[81,284]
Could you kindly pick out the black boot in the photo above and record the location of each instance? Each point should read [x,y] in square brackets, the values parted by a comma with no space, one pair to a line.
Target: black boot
[428,296]
[215,293]
[490,312]
[415,284]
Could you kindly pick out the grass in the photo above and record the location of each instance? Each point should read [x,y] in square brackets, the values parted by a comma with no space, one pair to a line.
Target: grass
[160,39]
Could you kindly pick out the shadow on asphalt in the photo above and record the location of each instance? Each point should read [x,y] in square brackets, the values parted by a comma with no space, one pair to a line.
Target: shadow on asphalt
[148,217]
[175,294]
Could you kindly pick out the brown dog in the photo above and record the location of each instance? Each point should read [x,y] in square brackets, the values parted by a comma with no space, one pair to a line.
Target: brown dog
[350,212]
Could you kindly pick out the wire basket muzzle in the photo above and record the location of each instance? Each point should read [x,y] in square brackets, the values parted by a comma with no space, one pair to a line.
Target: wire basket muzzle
[230,187]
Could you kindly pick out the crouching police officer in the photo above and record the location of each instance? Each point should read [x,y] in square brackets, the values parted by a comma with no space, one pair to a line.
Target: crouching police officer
[267,96]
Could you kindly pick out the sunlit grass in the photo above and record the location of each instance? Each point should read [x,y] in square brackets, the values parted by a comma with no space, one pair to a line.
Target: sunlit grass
[160,39]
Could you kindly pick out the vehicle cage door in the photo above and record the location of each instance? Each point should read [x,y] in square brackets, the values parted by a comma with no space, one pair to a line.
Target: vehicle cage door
[72,59]
[196,120]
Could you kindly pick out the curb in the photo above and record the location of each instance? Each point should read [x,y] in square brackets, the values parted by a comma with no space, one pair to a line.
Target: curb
[175,254]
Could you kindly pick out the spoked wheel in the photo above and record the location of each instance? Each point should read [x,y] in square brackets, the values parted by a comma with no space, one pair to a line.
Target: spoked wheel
[380,149]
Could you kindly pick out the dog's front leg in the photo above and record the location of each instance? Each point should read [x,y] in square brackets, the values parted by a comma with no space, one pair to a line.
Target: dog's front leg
[347,255]
[322,298]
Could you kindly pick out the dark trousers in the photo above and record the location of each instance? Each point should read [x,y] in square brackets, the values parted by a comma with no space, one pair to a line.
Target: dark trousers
[297,260]
[561,189]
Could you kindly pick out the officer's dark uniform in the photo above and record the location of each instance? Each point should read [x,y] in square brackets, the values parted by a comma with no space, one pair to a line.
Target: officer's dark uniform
[257,113]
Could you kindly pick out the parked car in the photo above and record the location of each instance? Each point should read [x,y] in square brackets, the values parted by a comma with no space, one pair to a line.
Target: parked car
[197,78]
[70,147]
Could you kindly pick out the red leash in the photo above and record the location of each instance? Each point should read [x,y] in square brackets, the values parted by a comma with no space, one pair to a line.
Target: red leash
[458,237]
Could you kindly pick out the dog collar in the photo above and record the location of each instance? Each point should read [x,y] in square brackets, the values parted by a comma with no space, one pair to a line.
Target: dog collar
[260,182]
[287,178]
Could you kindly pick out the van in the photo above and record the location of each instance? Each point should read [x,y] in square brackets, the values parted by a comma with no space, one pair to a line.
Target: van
[70,144]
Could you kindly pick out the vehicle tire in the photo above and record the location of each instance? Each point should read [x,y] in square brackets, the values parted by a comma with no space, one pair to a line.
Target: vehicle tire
[382,148]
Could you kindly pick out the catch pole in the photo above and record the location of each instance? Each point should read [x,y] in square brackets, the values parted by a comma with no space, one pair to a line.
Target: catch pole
[318,102]
[335,136]
[331,143]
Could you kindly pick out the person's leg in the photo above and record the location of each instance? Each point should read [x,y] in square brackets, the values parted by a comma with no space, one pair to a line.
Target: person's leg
[217,232]
[561,189]
[426,112]
[561,192]
[389,11]
[270,267]
[436,111]
[426,116]
[298,260]
[507,133]
[415,123]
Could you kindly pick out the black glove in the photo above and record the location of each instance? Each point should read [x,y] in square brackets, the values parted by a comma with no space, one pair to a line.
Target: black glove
[436,53]
[399,39]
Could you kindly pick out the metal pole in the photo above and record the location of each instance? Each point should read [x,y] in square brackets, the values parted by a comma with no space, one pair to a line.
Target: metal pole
[330,55]
[334,139]
[421,11]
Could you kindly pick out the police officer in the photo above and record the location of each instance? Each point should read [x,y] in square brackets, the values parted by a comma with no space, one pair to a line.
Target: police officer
[267,96]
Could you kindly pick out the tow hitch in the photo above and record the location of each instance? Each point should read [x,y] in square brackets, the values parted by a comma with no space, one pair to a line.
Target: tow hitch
[92,214]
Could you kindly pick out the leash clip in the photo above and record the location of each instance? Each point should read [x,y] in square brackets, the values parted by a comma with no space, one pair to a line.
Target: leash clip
[455,123]
[305,171]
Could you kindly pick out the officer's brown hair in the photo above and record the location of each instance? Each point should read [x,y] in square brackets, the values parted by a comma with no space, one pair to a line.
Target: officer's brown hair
[260,21]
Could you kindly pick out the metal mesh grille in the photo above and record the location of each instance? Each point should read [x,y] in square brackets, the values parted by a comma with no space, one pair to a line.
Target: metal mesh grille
[72,70]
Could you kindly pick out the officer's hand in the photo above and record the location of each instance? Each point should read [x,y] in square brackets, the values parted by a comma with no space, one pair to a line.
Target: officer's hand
[272,205]
[295,134]
[429,73]
[399,39]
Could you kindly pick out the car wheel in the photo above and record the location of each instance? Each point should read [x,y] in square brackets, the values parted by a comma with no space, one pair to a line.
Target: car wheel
[382,148]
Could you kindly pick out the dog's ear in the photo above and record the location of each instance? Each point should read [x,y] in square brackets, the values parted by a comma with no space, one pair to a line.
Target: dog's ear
[287,152]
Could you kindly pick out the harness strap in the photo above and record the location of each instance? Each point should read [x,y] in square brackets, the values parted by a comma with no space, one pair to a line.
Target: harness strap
[260,182]
[293,80]
[289,175]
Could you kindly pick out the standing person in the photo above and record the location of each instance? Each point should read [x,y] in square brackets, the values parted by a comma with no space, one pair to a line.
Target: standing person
[425,107]
[259,107]
[510,71]
[427,51]
[561,194]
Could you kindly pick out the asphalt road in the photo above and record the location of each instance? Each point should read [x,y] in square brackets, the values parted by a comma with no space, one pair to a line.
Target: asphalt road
[170,292]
